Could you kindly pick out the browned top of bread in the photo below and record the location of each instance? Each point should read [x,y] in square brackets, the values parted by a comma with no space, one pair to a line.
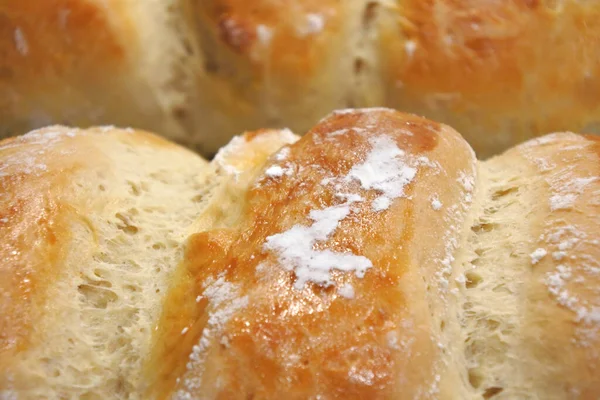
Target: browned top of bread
[459,279]
[56,42]
[33,224]
[238,323]
[49,38]
[292,40]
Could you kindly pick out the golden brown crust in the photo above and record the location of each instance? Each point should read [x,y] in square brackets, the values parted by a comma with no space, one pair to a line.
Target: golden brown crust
[29,218]
[273,63]
[53,43]
[236,323]
[87,63]
[296,35]
[319,267]
[60,31]
[37,206]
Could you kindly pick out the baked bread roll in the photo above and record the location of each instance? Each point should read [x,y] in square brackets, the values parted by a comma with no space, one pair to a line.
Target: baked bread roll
[373,258]
[376,258]
[90,62]
[91,227]
[201,71]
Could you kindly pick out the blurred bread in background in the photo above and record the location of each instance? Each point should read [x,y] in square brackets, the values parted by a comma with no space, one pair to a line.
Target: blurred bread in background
[89,62]
[201,71]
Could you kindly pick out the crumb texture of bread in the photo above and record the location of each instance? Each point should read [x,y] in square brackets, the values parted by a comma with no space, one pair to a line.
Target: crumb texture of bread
[531,277]
[92,223]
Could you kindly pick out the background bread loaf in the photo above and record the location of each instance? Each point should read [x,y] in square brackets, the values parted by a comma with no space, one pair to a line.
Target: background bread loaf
[90,62]
[201,71]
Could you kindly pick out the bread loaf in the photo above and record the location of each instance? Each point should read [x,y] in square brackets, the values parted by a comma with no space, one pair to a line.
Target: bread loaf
[201,71]
[91,227]
[90,62]
[374,257]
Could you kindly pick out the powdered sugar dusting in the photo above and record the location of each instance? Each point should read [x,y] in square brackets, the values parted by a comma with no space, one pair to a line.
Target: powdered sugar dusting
[221,158]
[224,302]
[559,255]
[346,291]
[571,271]
[20,42]
[314,23]
[568,191]
[537,255]
[381,203]
[227,157]
[282,154]
[454,215]
[565,185]
[276,171]
[561,160]
[295,249]
[450,240]
[467,181]
[343,111]
[264,34]
[410,46]
[562,201]
[385,170]
[436,204]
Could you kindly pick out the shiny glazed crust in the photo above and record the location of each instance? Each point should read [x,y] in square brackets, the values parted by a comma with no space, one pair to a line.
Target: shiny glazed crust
[267,338]
[459,302]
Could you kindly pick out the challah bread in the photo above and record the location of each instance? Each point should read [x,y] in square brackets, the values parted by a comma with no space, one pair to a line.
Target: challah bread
[91,226]
[376,258]
[87,62]
[200,72]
